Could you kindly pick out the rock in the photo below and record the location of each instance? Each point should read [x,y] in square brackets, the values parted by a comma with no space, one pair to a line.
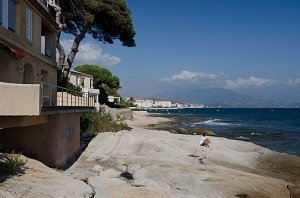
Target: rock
[201,130]
[165,123]
[294,190]
[38,180]
[152,163]
[182,131]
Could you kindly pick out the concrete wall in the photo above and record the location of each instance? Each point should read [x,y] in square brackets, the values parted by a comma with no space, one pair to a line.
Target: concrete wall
[55,143]
[13,69]
[19,99]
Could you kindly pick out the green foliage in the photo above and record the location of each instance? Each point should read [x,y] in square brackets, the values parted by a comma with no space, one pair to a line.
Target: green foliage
[57,169]
[106,20]
[97,122]
[71,89]
[111,91]
[11,163]
[131,102]
[101,76]
[123,103]
[128,103]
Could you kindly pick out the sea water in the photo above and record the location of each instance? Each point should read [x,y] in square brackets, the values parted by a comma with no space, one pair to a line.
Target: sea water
[277,129]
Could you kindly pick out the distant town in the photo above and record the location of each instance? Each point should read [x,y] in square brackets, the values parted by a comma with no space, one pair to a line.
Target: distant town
[156,104]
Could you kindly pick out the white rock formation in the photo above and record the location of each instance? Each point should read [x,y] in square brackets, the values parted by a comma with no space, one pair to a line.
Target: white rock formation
[39,181]
[171,165]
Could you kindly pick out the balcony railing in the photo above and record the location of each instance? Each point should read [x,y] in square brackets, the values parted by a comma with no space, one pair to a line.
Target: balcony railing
[37,99]
[65,97]
[43,3]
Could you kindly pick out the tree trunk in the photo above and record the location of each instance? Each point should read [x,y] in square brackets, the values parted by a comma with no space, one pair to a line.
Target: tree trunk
[59,47]
[74,49]
[61,50]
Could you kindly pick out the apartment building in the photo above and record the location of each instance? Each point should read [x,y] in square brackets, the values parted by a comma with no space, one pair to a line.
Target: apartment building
[85,82]
[30,117]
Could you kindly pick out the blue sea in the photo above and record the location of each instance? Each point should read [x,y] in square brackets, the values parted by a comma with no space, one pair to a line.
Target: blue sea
[277,129]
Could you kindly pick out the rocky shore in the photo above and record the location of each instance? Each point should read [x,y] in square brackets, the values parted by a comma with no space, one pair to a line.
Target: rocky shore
[152,163]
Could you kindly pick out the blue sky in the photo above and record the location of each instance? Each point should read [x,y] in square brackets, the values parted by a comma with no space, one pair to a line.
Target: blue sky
[249,46]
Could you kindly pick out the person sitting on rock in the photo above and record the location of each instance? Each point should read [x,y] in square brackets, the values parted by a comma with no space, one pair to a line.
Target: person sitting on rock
[204,141]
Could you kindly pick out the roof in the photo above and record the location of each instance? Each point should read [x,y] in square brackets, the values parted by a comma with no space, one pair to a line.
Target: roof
[80,73]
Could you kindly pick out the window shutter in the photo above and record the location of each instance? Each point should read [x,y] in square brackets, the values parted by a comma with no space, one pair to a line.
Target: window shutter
[28,24]
[12,15]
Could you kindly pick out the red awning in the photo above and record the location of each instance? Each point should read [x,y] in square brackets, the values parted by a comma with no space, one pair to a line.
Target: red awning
[16,52]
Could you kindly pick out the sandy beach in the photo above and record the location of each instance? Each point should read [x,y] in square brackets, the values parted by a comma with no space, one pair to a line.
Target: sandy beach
[152,163]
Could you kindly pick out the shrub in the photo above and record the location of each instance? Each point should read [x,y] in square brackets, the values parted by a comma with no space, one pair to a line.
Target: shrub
[97,122]
[71,89]
[11,163]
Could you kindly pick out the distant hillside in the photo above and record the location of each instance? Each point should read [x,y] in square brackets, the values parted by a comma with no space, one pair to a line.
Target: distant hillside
[217,97]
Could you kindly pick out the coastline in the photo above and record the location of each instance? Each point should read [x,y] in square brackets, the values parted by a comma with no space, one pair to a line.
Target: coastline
[155,163]
[162,164]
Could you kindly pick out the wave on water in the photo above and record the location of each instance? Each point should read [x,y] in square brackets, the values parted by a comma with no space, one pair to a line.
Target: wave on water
[242,138]
[214,122]
[256,134]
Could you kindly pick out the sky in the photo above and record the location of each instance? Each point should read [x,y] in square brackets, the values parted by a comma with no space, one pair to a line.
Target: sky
[249,46]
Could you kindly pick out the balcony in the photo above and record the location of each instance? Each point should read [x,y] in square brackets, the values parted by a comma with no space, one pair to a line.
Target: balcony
[19,99]
[43,3]
[41,99]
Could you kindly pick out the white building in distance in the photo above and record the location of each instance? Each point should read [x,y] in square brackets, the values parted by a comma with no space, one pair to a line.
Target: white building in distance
[162,104]
[149,103]
[85,82]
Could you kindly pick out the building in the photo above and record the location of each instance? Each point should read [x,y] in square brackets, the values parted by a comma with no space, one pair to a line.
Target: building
[162,104]
[85,82]
[31,118]
[114,99]
[143,103]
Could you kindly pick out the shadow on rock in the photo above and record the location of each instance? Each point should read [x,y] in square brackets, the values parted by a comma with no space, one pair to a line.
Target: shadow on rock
[11,165]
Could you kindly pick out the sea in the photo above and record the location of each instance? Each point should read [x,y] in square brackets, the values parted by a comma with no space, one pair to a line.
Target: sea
[277,129]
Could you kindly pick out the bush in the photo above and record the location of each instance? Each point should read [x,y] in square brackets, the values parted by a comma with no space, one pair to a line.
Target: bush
[11,163]
[97,122]
[71,89]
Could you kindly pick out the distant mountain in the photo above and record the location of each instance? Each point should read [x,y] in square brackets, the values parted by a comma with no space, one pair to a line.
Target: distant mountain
[215,97]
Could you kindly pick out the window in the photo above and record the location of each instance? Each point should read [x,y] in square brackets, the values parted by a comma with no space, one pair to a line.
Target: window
[28,24]
[4,13]
[77,80]
[12,15]
[82,82]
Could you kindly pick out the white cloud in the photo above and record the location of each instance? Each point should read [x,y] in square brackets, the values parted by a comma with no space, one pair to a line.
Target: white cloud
[90,53]
[193,77]
[251,81]
[294,82]
[220,80]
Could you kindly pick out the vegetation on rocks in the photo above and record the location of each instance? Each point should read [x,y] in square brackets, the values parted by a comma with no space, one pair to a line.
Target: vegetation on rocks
[11,163]
[97,122]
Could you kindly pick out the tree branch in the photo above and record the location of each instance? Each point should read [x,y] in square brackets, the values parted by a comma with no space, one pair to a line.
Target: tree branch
[74,48]
[61,50]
